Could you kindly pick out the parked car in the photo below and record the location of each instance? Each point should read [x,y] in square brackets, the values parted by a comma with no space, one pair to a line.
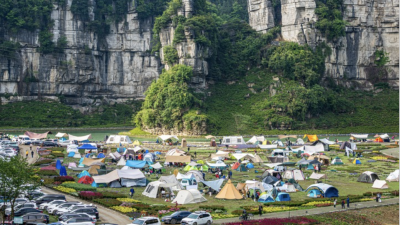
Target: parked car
[54,202]
[35,218]
[80,221]
[20,206]
[10,153]
[146,221]
[36,142]
[198,218]
[49,198]
[49,143]
[72,207]
[35,195]
[90,211]
[60,209]
[23,211]
[175,217]
[67,216]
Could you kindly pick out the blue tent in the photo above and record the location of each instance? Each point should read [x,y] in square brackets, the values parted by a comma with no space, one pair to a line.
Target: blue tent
[87,146]
[84,173]
[147,151]
[101,155]
[250,166]
[58,164]
[310,167]
[63,171]
[94,184]
[71,154]
[63,139]
[264,198]
[135,164]
[85,141]
[158,153]
[87,155]
[315,193]
[282,197]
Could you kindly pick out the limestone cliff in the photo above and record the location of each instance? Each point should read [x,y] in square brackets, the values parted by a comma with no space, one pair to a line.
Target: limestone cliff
[91,69]
[372,25]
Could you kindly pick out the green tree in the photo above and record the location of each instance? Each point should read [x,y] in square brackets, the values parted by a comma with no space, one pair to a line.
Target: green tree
[330,19]
[242,122]
[170,55]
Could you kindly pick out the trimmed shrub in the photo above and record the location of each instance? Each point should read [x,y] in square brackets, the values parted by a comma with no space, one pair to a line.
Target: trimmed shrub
[108,202]
[89,195]
[109,194]
[79,187]
[212,207]
[47,173]
[41,162]
[64,178]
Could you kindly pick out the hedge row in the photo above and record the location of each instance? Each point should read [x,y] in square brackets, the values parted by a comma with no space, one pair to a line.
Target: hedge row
[79,187]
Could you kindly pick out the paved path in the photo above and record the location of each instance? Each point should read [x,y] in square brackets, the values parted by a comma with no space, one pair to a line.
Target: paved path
[314,211]
[391,152]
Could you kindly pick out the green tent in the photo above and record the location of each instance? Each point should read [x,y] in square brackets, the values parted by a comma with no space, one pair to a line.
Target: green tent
[241,168]
[337,161]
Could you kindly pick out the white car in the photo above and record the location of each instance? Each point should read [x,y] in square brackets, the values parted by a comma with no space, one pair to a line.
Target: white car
[80,221]
[54,202]
[198,218]
[54,208]
[9,153]
[146,221]
[72,208]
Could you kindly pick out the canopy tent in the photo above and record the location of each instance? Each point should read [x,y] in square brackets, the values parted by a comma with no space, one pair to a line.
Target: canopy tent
[93,170]
[380,184]
[251,184]
[255,139]
[87,146]
[90,162]
[327,190]
[337,161]
[271,165]
[229,192]
[233,140]
[71,154]
[166,137]
[129,178]
[85,180]
[311,149]
[58,164]
[214,184]
[83,173]
[293,174]
[310,138]
[33,135]
[278,159]
[218,164]
[189,197]
[359,136]
[368,177]
[175,152]
[282,197]
[317,176]
[178,159]
[326,141]
[393,176]
[121,162]
[384,136]
[256,159]
[115,155]
[270,180]
[135,164]
[63,171]
[60,135]
[267,146]
[314,193]
[117,139]
[265,198]
[79,138]
[241,155]
[156,166]
[356,161]
[250,166]
[287,136]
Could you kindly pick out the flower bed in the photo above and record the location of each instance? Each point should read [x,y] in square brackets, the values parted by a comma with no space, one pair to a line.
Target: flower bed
[47,173]
[316,203]
[108,202]
[123,209]
[212,207]
[79,187]
[109,194]
[89,195]
[276,221]
[65,189]
[217,216]
[128,200]
[323,205]
[64,178]
[44,161]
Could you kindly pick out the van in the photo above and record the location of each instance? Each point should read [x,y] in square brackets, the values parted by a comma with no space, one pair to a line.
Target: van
[49,198]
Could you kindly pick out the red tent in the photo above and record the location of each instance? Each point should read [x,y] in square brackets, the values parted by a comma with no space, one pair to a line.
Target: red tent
[236,165]
[85,180]
[378,139]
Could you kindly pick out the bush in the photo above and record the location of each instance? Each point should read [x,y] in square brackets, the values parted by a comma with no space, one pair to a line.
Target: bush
[79,187]
[41,162]
[128,200]
[89,195]
[47,173]
[65,189]
[108,202]
[57,154]
[212,207]
[395,193]
[64,178]
[123,209]
[276,221]
[47,181]
[108,194]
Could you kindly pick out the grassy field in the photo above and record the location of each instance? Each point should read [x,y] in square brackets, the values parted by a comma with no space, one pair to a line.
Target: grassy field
[342,179]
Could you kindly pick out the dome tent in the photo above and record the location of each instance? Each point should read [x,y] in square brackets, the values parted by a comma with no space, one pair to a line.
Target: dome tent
[265,198]
[357,161]
[337,161]
[241,168]
[83,173]
[85,180]
[368,177]
[189,197]
[394,176]
[380,184]
[270,180]
[250,166]
[282,197]
[314,193]
[327,190]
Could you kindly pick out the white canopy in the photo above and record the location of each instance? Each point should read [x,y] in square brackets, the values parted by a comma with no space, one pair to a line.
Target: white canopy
[319,147]
[217,164]
[175,152]
[184,176]
[166,137]
[118,174]
[272,165]
[79,138]
[380,184]
[241,155]
[233,140]
[130,174]
[254,139]
[267,146]
[60,135]
[116,139]
[157,166]
[384,136]
[360,136]
[326,141]
[317,176]
[106,178]
[121,162]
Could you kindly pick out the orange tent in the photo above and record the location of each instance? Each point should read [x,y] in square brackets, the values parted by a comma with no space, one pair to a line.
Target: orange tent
[311,138]
[85,180]
[378,139]
[236,165]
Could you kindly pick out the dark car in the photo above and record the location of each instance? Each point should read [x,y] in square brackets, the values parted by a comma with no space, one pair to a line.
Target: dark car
[35,194]
[67,216]
[49,198]
[23,211]
[36,142]
[89,211]
[175,217]
[49,143]
[35,218]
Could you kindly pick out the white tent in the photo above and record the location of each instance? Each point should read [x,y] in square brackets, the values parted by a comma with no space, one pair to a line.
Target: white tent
[218,164]
[175,152]
[384,136]
[317,176]
[233,140]
[359,136]
[267,146]
[319,147]
[72,149]
[380,184]
[116,139]
[254,139]
[189,197]
[77,155]
[326,141]
[300,141]
[166,137]
[152,190]
[156,166]
[132,178]
[241,155]
[272,165]
[79,138]
[60,135]
[121,162]
[115,155]
[348,151]
[394,176]
[288,187]
[197,174]
[293,174]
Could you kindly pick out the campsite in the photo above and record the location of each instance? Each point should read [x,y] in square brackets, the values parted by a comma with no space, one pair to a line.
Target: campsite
[167,172]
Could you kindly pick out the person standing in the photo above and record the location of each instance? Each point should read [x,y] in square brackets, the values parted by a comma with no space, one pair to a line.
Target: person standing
[343,204]
[348,202]
[230,174]
[32,153]
[210,191]
[26,153]
[30,147]
[260,209]
[334,203]
[131,192]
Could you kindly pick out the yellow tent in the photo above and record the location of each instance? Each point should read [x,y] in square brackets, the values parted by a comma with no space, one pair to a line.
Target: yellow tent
[176,171]
[311,138]
[93,170]
[229,192]
[137,142]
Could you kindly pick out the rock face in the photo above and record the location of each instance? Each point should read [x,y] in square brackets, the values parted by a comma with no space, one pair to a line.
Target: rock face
[372,26]
[114,69]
